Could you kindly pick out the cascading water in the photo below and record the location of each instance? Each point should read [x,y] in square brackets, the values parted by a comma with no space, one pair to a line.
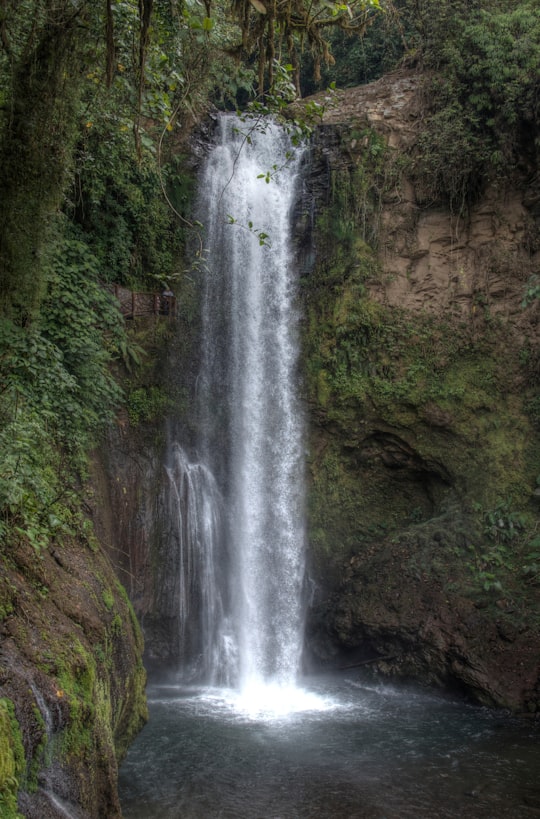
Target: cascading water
[194,512]
[251,420]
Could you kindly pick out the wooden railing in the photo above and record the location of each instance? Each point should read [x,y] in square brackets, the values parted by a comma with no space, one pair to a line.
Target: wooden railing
[134,304]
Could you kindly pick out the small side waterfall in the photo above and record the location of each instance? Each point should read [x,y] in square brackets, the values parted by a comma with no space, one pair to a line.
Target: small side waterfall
[195,514]
[50,774]
[243,570]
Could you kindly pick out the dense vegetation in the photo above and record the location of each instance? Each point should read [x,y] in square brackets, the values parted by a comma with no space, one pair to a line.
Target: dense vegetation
[95,104]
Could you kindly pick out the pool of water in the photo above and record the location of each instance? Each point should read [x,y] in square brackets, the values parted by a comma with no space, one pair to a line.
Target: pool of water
[334,747]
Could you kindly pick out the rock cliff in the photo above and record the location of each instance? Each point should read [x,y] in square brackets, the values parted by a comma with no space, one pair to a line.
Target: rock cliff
[422,366]
[71,681]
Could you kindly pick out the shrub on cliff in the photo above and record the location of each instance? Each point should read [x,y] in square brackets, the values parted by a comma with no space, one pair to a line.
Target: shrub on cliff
[482,92]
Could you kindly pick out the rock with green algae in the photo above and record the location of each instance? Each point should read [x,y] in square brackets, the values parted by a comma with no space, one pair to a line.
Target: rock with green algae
[11,759]
[419,601]
[422,392]
[71,669]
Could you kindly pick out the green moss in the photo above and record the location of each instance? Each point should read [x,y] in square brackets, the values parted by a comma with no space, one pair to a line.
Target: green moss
[132,616]
[12,760]
[436,388]
[77,738]
[6,599]
[78,675]
[108,598]
[146,404]
[90,681]
[332,487]
[116,625]
[41,754]
[430,377]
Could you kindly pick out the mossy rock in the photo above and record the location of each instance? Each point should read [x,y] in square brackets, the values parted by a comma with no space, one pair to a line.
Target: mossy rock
[12,761]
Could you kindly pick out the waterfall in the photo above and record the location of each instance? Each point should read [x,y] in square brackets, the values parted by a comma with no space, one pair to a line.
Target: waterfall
[50,775]
[195,515]
[251,424]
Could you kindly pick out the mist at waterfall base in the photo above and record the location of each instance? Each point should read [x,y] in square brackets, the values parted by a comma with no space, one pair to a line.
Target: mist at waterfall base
[362,750]
[238,733]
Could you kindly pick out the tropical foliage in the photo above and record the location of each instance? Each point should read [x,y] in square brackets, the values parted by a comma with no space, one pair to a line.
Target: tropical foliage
[96,101]
[484,90]
[57,393]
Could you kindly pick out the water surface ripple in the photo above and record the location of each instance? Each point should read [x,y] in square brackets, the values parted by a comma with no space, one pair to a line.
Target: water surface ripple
[345,747]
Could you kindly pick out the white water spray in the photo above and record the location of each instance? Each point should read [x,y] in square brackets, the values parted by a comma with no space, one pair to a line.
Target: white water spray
[251,419]
[195,515]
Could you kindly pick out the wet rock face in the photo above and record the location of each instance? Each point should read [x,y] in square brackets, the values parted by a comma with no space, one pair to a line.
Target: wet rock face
[130,484]
[410,605]
[415,347]
[72,675]
[131,519]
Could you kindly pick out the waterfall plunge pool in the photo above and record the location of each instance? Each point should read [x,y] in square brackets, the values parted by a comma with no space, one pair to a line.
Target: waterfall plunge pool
[341,747]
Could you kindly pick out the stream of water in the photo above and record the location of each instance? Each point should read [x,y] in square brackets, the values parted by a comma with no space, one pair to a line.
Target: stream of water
[238,733]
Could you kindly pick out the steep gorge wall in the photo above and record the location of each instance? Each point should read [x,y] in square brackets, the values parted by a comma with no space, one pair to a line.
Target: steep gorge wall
[422,381]
[130,479]
[420,375]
